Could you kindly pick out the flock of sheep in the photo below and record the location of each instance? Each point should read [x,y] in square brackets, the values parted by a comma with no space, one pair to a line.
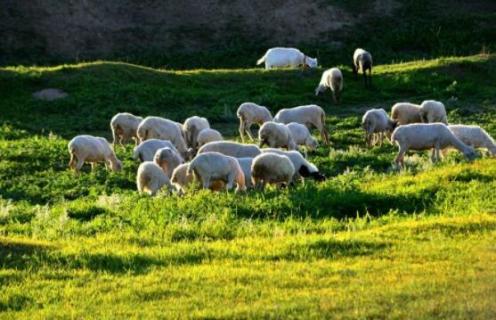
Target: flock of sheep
[166,146]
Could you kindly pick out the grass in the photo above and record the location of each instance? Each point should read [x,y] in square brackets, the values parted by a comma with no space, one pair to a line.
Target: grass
[370,242]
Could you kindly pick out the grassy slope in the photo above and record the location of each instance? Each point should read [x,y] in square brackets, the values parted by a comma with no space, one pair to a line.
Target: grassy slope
[88,245]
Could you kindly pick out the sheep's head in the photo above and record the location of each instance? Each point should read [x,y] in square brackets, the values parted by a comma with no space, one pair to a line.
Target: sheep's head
[316,175]
[470,153]
[312,62]
[319,89]
[116,165]
[312,143]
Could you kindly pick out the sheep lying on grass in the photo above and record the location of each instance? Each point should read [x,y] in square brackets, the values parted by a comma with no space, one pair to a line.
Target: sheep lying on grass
[309,115]
[146,150]
[406,113]
[474,136]
[86,148]
[302,136]
[286,57]
[421,136]
[211,166]
[271,168]
[303,168]
[231,148]
[168,159]
[332,79]
[208,135]
[151,178]
[191,129]
[376,122]
[433,111]
[362,60]
[124,128]
[250,113]
[276,135]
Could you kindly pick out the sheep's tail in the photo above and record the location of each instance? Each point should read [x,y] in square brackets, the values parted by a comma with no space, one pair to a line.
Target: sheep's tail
[262,59]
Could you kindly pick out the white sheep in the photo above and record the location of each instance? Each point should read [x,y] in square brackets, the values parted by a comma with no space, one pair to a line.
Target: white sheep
[286,57]
[276,135]
[376,121]
[231,148]
[433,111]
[211,166]
[474,136]
[182,180]
[303,168]
[302,136]
[245,164]
[168,159]
[332,79]
[406,113]
[271,168]
[146,150]
[208,135]
[424,136]
[192,127]
[250,113]
[151,178]
[86,148]
[165,129]
[310,115]
[362,60]
[124,127]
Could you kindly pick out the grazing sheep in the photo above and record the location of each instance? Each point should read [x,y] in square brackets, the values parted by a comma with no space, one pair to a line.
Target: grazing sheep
[210,166]
[146,150]
[86,148]
[303,168]
[192,127]
[276,135]
[208,135]
[165,129]
[362,60]
[376,121]
[250,113]
[406,113]
[433,111]
[332,79]
[286,57]
[310,115]
[271,168]
[168,159]
[124,127]
[245,164]
[231,148]
[151,178]
[422,136]
[182,180]
[474,136]
[301,136]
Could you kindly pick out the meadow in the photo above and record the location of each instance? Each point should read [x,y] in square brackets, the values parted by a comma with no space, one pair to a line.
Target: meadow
[369,242]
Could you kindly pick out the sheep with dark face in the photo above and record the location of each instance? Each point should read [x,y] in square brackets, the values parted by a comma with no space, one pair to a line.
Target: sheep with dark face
[303,168]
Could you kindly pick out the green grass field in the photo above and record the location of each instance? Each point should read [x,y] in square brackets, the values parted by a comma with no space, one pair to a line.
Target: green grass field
[369,242]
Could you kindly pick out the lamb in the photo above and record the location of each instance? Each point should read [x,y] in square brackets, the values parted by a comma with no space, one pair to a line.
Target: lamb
[210,166]
[271,168]
[433,111]
[286,57]
[165,129]
[124,127]
[168,159]
[310,115]
[276,135]
[362,60]
[86,148]
[301,136]
[422,136]
[332,79]
[146,150]
[245,164]
[474,136]
[151,178]
[231,148]
[250,113]
[208,135]
[376,121]
[303,168]
[405,113]
[192,127]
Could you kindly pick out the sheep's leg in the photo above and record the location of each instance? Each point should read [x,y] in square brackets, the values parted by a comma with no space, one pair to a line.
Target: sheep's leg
[205,182]
[248,131]
[242,129]
[324,134]
[72,161]
[400,158]
[230,181]
[334,97]
[79,164]
[381,138]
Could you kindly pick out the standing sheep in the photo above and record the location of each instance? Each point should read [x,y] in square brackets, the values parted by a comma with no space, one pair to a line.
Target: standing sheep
[211,166]
[250,113]
[124,127]
[421,136]
[86,148]
[151,178]
[376,121]
[433,111]
[332,79]
[474,136]
[406,113]
[276,135]
[310,115]
[168,159]
[303,168]
[208,135]
[362,60]
[146,150]
[182,180]
[192,127]
[271,168]
[286,57]
[231,148]
[301,136]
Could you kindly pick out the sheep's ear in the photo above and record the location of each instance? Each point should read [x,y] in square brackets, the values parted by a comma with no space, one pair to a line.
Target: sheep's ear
[304,172]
